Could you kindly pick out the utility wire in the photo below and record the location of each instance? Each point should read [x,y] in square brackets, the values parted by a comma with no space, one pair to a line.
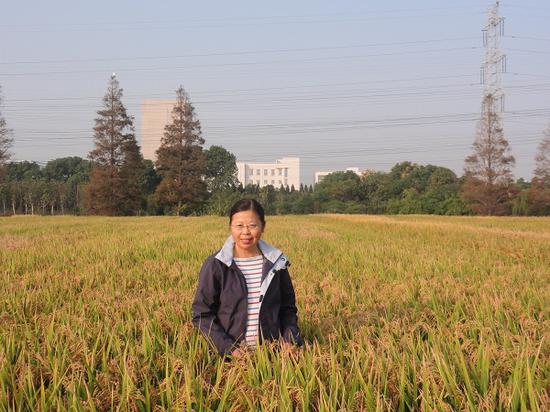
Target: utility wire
[269,62]
[236,53]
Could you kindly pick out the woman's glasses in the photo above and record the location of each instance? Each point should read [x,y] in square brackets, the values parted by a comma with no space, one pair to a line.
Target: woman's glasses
[239,227]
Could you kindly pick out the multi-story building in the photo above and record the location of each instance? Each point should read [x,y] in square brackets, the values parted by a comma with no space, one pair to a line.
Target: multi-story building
[284,172]
[155,114]
[319,176]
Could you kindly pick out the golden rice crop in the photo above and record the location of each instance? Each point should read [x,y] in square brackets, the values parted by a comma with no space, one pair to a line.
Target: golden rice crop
[398,313]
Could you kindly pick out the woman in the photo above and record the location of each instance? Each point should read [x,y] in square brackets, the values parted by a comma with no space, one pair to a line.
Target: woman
[245,294]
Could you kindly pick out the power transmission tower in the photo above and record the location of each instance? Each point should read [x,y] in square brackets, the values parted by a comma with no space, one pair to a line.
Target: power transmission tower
[488,170]
[495,61]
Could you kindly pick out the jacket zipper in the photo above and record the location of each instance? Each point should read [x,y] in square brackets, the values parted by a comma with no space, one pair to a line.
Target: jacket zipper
[268,278]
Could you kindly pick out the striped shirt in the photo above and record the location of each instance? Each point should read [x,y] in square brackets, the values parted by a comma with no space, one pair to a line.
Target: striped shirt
[252,271]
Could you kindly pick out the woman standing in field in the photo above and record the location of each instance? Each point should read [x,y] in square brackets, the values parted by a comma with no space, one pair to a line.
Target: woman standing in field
[245,294]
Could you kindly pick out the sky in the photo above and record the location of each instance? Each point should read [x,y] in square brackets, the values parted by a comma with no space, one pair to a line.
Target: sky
[338,84]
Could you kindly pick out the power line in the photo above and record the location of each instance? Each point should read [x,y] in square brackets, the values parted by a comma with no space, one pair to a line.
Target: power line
[309,127]
[183,25]
[523,7]
[527,38]
[162,102]
[239,18]
[236,53]
[393,94]
[279,88]
[530,51]
[270,62]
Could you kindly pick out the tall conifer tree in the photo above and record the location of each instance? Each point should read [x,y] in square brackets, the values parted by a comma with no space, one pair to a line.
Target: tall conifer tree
[181,161]
[117,162]
[488,174]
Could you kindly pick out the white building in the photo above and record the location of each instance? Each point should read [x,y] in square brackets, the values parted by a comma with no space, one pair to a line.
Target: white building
[319,176]
[284,172]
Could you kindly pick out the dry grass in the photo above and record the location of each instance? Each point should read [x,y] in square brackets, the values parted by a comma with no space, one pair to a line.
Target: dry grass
[398,313]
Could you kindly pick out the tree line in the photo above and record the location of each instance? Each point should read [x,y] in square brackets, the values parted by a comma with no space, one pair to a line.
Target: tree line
[187,179]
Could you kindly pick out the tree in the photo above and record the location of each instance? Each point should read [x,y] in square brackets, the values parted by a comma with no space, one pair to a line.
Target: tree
[376,189]
[117,161]
[20,187]
[149,182]
[68,174]
[221,169]
[341,186]
[488,175]
[221,201]
[62,169]
[539,193]
[181,161]
[150,177]
[25,170]
[442,194]
[6,141]
[266,197]
[338,192]
[303,204]
[542,159]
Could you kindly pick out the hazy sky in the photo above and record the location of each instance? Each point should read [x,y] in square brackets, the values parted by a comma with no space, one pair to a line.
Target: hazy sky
[339,84]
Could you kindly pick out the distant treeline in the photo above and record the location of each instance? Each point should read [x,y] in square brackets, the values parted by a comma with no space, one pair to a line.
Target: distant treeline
[60,187]
[187,179]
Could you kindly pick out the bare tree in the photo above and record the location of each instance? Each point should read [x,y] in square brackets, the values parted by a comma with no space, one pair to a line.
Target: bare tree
[6,139]
[539,193]
[542,159]
[488,174]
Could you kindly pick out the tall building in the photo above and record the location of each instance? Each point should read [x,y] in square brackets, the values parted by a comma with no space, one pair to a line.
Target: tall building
[284,172]
[319,176]
[155,114]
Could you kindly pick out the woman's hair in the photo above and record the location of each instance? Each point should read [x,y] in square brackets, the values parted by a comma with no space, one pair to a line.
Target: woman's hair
[248,204]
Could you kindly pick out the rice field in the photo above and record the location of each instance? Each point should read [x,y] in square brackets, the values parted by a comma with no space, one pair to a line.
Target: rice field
[398,313]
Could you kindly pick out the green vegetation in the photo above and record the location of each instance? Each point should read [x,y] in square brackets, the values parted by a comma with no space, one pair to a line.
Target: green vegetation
[398,312]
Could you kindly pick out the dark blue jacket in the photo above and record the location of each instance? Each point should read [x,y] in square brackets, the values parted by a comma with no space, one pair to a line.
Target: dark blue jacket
[220,306]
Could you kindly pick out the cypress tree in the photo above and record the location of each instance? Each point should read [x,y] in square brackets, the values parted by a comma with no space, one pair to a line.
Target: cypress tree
[488,174]
[181,161]
[114,187]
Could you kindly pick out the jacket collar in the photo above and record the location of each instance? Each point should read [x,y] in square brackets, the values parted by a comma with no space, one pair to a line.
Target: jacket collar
[225,255]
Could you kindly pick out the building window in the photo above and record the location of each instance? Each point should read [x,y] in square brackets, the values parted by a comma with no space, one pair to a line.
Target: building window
[280,171]
[251,172]
[273,182]
[286,182]
[258,172]
[280,182]
[258,182]
[272,172]
[286,171]
[265,172]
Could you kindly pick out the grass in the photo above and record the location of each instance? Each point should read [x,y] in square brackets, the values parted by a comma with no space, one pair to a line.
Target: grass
[398,313]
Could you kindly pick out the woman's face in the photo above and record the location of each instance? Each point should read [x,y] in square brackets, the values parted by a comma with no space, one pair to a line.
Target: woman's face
[246,230]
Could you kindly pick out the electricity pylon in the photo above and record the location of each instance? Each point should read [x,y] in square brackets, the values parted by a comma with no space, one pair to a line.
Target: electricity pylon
[495,61]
